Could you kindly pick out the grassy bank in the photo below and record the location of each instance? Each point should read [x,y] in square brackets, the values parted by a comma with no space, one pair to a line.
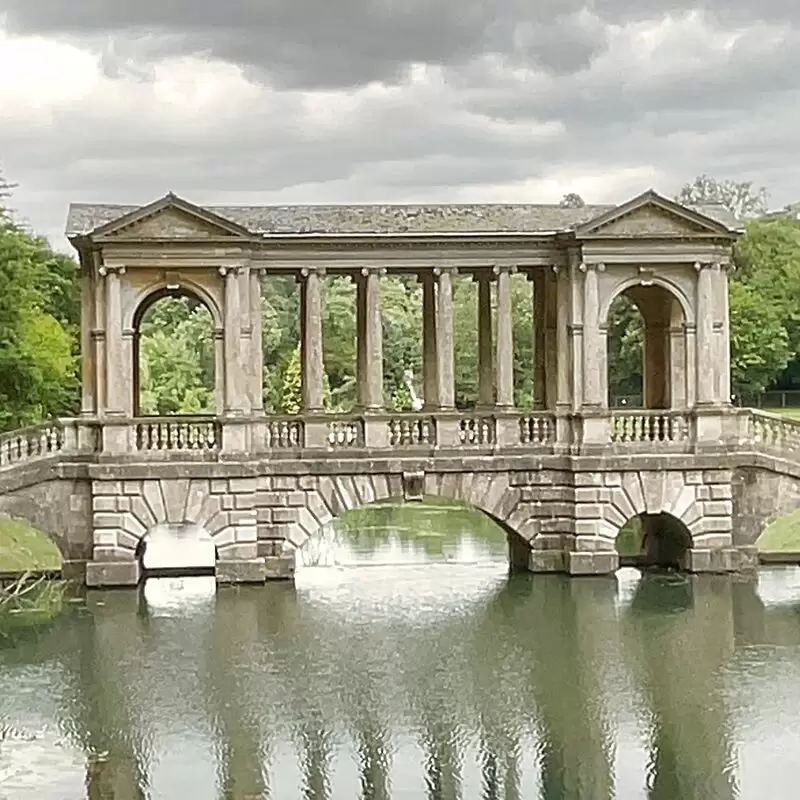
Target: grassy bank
[782,536]
[24,548]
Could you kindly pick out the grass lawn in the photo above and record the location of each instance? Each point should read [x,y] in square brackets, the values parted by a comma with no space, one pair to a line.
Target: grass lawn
[793,412]
[23,547]
[782,536]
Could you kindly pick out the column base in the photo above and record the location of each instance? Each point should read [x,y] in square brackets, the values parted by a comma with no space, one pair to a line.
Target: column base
[280,568]
[547,561]
[113,573]
[721,560]
[244,570]
[582,562]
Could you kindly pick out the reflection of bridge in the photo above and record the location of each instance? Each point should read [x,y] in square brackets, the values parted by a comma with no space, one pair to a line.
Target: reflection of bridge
[269,689]
[564,476]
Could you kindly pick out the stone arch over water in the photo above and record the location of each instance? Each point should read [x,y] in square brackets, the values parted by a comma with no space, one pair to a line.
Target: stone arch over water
[489,493]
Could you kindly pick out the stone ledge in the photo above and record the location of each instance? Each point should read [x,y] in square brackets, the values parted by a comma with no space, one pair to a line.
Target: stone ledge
[588,563]
[279,568]
[113,573]
[250,570]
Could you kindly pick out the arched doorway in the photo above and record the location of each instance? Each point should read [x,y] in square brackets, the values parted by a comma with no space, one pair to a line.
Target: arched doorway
[647,358]
[175,364]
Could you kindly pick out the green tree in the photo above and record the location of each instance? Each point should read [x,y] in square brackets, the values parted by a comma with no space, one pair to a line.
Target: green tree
[625,349]
[38,368]
[739,197]
[177,358]
[292,390]
[759,342]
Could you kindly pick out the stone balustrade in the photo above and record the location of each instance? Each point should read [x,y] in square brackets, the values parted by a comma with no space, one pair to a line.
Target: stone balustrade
[177,433]
[49,439]
[774,432]
[634,430]
[642,425]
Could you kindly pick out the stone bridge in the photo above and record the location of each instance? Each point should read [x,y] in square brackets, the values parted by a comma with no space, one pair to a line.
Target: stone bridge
[562,476]
[562,503]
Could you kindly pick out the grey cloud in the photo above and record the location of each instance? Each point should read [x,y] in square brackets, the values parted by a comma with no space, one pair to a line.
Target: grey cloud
[319,43]
[736,118]
[316,43]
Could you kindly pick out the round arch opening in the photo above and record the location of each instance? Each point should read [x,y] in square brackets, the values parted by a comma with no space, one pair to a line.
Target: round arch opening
[646,349]
[177,549]
[654,540]
[429,529]
[175,359]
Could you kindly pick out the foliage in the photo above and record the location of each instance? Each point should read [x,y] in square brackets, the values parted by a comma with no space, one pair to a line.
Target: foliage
[292,391]
[176,358]
[759,342]
[625,349]
[738,197]
[38,364]
[572,200]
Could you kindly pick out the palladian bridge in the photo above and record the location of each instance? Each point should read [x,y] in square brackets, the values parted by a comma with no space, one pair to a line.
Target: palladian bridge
[562,477]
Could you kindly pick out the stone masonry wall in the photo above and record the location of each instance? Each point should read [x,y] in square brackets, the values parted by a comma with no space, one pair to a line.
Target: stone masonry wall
[565,513]
[53,501]
[762,495]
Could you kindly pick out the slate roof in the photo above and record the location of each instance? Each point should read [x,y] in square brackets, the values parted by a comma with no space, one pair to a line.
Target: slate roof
[384,219]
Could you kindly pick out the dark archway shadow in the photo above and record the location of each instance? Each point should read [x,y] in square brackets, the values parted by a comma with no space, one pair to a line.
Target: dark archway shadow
[654,541]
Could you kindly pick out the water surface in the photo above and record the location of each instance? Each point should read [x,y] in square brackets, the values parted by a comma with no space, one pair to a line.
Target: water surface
[406,663]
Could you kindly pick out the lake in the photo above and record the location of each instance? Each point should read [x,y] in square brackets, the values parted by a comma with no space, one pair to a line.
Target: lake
[406,663]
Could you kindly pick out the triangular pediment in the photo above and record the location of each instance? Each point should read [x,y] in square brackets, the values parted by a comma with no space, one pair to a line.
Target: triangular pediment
[169,218]
[652,216]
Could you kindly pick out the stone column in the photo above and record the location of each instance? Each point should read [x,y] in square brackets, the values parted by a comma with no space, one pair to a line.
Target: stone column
[594,360]
[485,343]
[724,337]
[256,344]
[540,376]
[551,358]
[705,355]
[232,323]
[445,338]
[564,400]
[430,366]
[313,370]
[677,358]
[220,370]
[373,339]
[88,368]
[116,370]
[574,298]
[361,341]
[99,335]
[505,338]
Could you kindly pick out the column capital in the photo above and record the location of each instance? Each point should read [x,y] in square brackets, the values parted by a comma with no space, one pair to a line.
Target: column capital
[444,269]
[367,271]
[699,266]
[231,271]
[320,272]
[592,266]
[507,269]
[105,270]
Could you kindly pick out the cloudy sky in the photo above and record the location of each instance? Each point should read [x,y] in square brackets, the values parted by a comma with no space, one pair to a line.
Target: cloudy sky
[261,101]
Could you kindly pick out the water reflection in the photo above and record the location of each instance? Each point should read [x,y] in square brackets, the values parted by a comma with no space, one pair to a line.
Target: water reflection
[430,680]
